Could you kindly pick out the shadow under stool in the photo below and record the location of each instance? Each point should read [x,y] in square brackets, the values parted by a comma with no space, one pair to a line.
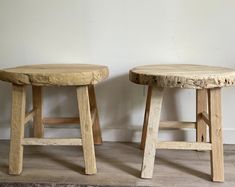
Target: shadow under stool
[208,81]
[83,77]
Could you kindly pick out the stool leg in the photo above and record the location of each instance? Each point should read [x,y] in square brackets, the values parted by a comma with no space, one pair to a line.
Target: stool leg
[152,132]
[37,107]
[17,129]
[217,155]
[146,116]
[96,126]
[201,106]
[86,129]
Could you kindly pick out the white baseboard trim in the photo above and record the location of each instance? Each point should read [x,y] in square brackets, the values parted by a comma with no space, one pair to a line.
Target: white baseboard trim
[125,134]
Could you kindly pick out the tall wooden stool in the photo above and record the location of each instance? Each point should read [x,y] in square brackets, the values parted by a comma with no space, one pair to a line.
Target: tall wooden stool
[80,75]
[208,82]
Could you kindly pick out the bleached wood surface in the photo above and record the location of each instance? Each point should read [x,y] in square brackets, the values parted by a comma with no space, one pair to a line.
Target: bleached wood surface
[86,130]
[183,76]
[183,145]
[152,132]
[216,135]
[55,74]
[201,107]
[17,129]
[48,141]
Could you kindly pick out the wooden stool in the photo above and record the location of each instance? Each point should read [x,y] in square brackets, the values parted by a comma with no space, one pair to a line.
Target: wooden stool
[207,81]
[80,75]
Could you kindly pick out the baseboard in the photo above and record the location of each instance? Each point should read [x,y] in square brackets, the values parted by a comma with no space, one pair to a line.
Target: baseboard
[125,134]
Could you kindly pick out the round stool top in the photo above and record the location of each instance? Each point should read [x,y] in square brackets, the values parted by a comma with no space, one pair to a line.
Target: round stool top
[183,76]
[55,74]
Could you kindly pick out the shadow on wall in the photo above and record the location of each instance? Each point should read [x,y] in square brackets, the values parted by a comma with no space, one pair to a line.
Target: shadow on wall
[5,108]
[118,100]
[5,103]
[60,102]
[121,105]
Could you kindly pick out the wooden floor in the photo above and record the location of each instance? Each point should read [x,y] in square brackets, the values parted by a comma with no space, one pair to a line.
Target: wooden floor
[118,165]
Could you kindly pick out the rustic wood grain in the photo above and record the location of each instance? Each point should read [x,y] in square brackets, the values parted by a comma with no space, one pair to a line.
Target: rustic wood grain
[217,152]
[52,141]
[184,145]
[152,132]
[201,106]
[61,120]
[183,76]
[83,76]
[177,125]
[86,129]
[55,74]
[17,129]
[203,78]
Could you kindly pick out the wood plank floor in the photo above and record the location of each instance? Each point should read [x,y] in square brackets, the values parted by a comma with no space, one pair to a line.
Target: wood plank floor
[118,165]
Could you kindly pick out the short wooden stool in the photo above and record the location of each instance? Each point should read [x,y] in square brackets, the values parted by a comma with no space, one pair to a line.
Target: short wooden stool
[80,75]
[208,82]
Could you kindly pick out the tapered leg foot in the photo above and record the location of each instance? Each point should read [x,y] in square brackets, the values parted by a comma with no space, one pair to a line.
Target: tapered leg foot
[152,132]
[217,154]
[17,130]
[86,130]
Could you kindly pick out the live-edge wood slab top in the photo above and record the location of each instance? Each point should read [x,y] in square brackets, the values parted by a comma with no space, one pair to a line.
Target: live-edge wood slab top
[55,74]
[183,76]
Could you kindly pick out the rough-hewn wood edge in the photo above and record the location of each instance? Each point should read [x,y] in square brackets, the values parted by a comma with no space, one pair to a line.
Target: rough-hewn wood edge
[39,80]
[181,82]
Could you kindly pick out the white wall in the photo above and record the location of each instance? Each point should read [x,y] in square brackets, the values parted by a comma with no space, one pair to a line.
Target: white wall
[120,34]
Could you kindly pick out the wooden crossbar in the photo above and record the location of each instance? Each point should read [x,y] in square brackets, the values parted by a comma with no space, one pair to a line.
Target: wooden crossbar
[67,120]
[183,145]
[29,116]
[50,141]
[177,125]
[60,121]
[205,117]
